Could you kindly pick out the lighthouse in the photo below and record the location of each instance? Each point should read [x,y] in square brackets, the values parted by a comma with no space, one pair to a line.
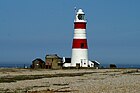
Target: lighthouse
[79,46]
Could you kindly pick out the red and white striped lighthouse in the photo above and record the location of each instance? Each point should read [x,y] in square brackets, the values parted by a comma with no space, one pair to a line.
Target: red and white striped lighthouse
[79,45]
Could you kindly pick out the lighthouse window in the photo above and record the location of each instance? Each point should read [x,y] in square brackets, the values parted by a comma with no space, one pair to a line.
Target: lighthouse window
[82,45]
[81,16]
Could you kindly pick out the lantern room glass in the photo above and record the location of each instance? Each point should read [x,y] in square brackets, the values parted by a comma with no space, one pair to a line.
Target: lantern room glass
[81,16]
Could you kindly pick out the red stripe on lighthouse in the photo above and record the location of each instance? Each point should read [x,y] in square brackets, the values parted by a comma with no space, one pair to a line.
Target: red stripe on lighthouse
[80,25]
[80,43]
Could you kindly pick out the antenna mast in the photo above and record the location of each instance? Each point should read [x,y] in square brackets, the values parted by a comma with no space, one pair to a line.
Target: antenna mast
[75,9]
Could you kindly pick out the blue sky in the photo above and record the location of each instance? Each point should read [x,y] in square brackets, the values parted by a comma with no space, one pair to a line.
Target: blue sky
[33,28]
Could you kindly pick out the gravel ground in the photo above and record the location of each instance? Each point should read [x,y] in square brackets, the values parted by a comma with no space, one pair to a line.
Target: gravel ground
[99,81]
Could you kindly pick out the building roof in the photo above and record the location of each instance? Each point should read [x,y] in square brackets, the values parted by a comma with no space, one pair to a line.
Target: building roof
[38,60]
[52,56]
[96,62]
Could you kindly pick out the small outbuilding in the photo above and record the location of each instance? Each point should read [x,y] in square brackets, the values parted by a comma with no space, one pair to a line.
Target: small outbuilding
[38,63]
[66,62]
[95,64]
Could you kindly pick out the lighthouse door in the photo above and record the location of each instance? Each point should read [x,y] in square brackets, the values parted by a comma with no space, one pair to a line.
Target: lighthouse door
[83,63]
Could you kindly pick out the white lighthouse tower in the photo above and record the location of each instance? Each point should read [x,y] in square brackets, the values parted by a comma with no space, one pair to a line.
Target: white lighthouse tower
[79,45]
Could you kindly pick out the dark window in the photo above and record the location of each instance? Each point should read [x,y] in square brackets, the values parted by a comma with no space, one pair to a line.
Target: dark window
[82,45]
[81,16]
[60,64]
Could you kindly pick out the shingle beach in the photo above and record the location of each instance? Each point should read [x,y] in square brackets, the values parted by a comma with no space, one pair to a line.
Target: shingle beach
[70,81]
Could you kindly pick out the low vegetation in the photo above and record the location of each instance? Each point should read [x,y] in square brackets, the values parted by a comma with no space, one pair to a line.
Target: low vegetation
[9,79]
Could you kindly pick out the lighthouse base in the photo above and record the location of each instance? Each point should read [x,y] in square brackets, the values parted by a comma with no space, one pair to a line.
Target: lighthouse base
[79,57]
